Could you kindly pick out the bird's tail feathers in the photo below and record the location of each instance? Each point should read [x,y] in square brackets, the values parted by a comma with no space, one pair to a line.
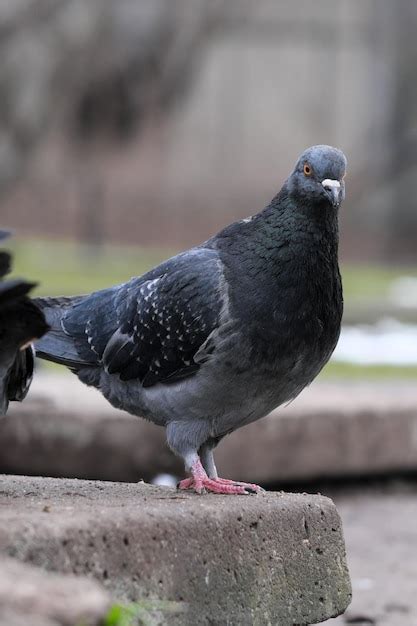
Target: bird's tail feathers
[21,374]
[16,376]
[58,303]
[57,345]
[14,289]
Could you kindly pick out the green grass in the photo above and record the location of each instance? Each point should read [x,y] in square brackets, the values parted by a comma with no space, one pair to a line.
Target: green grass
[120,615]
[369,282]
[336,370]
[141,613]
[67,268]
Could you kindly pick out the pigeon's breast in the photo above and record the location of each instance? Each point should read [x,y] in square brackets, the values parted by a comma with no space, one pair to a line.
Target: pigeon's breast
[290,327]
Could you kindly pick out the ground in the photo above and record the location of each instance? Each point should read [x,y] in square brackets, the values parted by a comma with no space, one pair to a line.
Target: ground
[381,541]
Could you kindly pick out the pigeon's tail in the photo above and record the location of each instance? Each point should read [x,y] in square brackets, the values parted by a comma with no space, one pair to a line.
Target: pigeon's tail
[57,345]
[16,373]
[21,322]
[15,377]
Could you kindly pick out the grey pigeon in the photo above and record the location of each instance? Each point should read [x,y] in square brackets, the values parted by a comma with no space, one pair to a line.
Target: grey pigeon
[218,336]
[21,321]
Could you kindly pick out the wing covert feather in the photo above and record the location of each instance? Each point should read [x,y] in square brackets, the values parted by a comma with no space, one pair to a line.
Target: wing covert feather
[151,327]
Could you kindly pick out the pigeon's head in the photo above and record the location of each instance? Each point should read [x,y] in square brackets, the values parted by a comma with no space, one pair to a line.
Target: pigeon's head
[318,177]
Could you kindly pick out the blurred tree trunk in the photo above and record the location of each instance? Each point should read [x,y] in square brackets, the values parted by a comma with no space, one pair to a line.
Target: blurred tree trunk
[98,67]
[402,132]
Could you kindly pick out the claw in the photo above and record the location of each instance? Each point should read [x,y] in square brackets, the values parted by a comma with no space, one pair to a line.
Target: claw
[250,487]
[187,483]
[201,483]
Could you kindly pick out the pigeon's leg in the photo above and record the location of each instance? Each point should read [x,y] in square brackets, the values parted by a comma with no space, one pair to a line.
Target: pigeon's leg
[185,438]
[200,482]
[207,459]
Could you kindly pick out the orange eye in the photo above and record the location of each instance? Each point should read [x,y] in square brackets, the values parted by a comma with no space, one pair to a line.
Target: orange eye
[307,169]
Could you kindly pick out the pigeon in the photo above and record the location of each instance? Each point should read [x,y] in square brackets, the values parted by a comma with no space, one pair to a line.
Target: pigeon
[219,335]
[21,322]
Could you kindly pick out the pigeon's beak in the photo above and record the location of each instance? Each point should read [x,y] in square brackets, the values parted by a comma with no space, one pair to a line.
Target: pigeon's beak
[332,188]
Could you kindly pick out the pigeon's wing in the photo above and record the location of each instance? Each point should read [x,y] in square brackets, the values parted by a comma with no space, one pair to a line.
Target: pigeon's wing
[151,328]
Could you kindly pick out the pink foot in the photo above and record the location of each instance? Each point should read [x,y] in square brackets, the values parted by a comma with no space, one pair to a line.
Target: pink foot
[212,485]
[249,486]
[187,483]
[200,482]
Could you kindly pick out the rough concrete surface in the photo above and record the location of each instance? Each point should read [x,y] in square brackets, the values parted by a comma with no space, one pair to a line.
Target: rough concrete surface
[381,540]
[31,594]
[271,559]
[67,429]
[11,617]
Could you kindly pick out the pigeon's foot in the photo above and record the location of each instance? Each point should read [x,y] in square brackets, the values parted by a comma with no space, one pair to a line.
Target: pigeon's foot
[214,486]
[251,487]
[200,482]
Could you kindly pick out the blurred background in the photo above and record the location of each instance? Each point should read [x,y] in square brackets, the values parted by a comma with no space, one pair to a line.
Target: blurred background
[130,130]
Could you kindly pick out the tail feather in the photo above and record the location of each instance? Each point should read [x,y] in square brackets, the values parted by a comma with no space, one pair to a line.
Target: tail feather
[57,304]
[57,345]
[58,349]
[21,322]
[21,374]
[13,290]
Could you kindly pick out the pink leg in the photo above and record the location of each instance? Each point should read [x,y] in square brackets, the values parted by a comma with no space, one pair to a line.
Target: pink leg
[201,482]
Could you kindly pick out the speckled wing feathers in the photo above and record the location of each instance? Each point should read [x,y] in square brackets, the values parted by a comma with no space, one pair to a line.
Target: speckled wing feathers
[150,328]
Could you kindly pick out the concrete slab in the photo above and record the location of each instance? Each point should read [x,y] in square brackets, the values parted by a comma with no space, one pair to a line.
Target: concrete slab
[10,617]
[331,430]
[272,558]
[29,595]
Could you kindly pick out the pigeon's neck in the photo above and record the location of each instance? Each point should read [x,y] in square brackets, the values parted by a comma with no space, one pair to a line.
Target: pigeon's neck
[285,232]
[282,242]
[297,223]
[283,261]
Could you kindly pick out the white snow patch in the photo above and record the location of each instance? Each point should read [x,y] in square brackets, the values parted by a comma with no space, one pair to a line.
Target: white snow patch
[403,291]
[388,342]
[165,480]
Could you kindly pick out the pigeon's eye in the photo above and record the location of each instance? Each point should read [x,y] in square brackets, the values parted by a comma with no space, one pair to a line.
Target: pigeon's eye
[307,169]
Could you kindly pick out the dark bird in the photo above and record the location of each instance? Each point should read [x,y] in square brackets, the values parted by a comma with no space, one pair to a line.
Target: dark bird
[21,322]
[218,336]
